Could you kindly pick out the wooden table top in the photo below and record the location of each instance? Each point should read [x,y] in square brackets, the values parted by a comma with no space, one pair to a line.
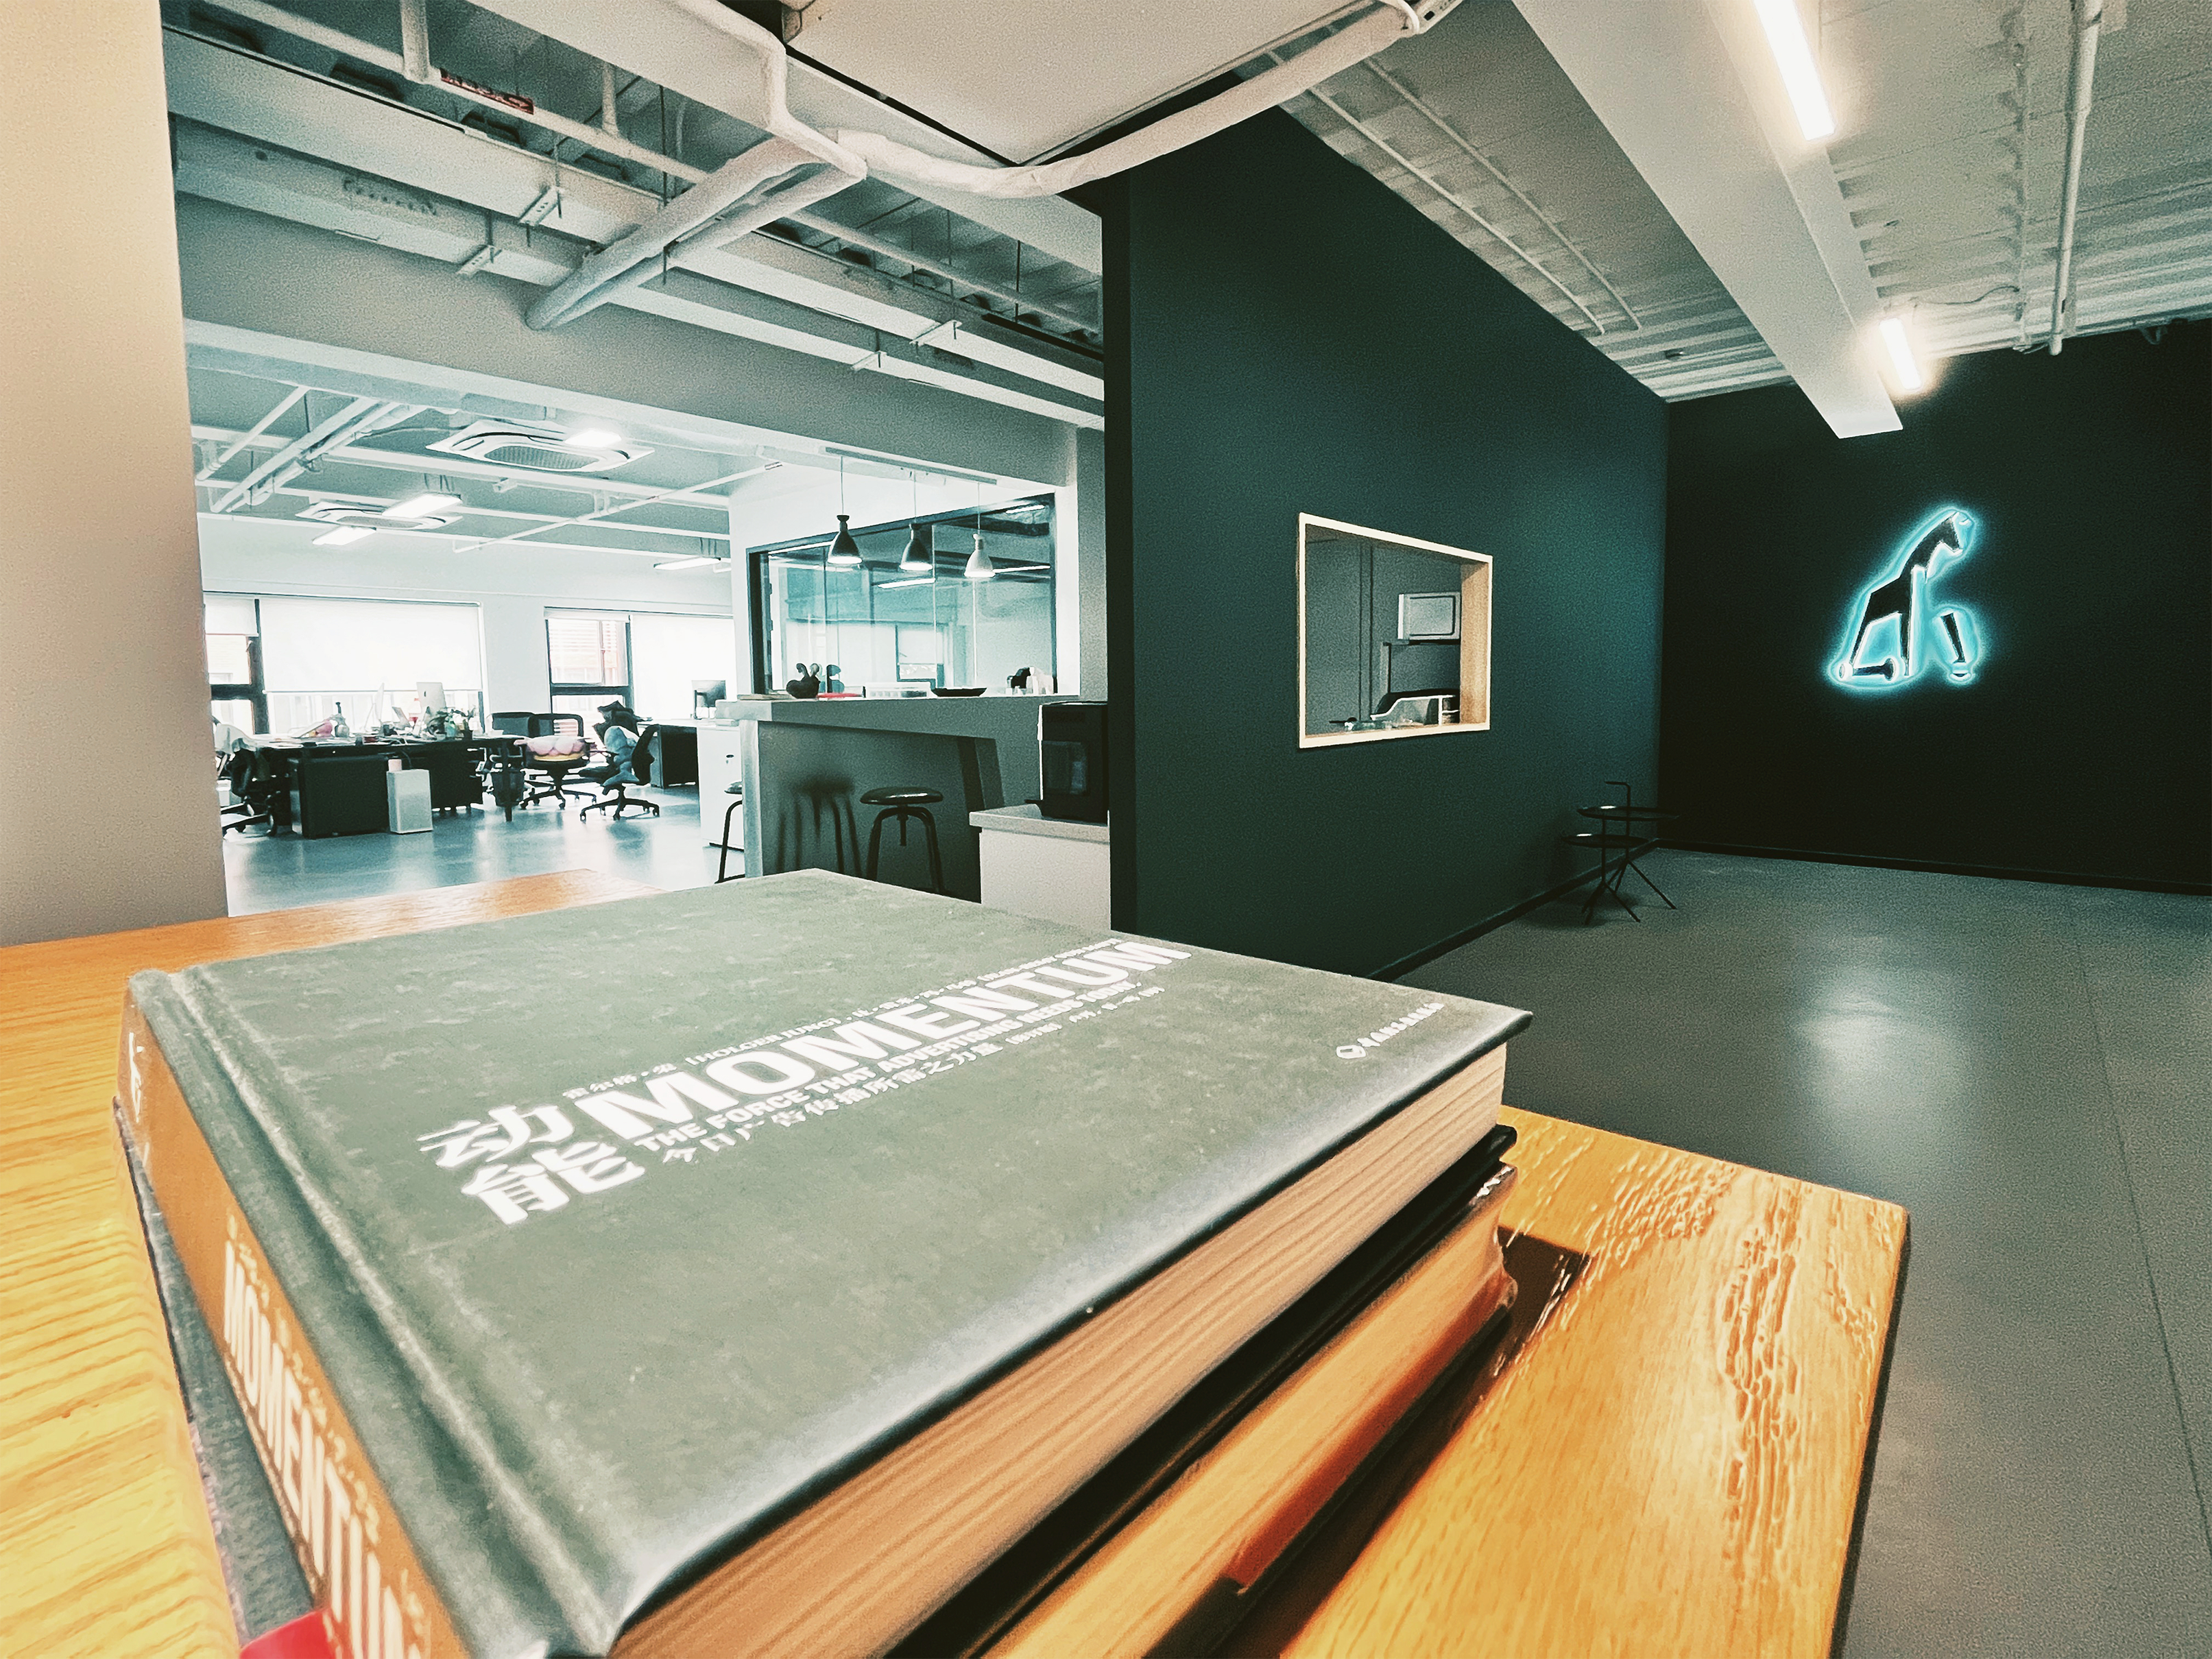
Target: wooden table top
[103,1528]
[1670,1463]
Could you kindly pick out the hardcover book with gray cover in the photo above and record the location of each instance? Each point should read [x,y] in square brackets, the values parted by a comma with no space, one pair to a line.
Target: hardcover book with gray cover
[743,1269]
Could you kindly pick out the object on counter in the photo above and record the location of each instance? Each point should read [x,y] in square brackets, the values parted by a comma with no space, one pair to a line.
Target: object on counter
[1071,747]
[958,691]
[1019,680]
[807,684]
[1082,1279]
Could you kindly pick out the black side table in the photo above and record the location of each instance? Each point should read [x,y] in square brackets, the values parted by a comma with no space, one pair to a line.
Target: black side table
[1625,833]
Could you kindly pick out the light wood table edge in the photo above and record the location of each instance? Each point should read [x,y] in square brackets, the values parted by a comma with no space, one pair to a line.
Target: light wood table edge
[104,1526]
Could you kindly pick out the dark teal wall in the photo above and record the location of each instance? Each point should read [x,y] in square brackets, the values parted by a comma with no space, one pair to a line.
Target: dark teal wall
[2082,746]
[1288,335]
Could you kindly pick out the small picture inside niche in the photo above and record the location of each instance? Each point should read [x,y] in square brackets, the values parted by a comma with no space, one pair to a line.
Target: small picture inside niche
[1394,636]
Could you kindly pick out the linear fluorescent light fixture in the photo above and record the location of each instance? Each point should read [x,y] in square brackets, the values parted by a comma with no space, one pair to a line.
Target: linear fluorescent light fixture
[1793,56]
[911,581]
[687,564]
[428,505]
[344,535]
[1902,362]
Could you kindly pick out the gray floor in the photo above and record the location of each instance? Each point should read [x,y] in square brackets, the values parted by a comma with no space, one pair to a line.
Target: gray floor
[2028,1070]
[276,872]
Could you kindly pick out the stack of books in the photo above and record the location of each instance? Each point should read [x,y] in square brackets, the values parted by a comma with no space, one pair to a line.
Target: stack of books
[804,1266]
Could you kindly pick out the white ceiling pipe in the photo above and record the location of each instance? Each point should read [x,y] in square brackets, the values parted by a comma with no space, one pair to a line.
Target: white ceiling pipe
[1354,43]
[876,245]
[375,421]
[472,510]
[609,113]
[791,144]
[737,183]
[2088,19]
[414,41]
[604,140]
[330,428]
[606,137]
[609,512]
[250,434]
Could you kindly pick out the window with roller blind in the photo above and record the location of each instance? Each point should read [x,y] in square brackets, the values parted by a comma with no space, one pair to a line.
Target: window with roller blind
[586,661]
[366,656]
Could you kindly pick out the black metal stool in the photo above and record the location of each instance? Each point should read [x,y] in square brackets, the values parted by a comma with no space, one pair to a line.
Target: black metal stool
[737,793]
[902,805]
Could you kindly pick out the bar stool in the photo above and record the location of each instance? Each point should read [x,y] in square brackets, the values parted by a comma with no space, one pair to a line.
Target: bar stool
[902,805]
[737,793]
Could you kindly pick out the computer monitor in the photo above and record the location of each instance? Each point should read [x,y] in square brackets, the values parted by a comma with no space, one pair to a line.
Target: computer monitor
[433,696]
[705,694]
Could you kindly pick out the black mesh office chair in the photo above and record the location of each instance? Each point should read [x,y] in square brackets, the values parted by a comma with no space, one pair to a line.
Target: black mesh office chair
[253,791]
[553,771]
[614,776]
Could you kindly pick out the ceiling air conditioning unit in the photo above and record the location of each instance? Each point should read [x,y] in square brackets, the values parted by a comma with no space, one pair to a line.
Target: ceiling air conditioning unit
[540,447]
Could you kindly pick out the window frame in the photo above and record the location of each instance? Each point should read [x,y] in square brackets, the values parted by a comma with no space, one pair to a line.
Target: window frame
[1476,600]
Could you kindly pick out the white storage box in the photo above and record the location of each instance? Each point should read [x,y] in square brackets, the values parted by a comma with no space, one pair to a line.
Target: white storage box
[407,802]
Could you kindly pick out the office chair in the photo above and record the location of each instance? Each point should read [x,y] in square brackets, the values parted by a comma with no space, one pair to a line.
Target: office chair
[616,773]
[554,754]
[253,794]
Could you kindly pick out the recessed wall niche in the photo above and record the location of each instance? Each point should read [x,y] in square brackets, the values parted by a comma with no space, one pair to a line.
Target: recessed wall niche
[1393,636]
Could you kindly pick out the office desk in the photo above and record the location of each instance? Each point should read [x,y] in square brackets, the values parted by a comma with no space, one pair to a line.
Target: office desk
[1671,1464]
[451,763]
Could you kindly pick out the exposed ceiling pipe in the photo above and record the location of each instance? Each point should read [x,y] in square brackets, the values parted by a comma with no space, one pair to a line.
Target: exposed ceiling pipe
[607,141]
[747,182]
[2088,19]
[921,261]
[610,111]
[1354,43]
[374,420]
[796,167]
[252,433]
[414,41]
[324,434]
[625,507]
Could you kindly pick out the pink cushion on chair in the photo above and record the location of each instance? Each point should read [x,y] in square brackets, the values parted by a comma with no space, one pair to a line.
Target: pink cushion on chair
[554,748]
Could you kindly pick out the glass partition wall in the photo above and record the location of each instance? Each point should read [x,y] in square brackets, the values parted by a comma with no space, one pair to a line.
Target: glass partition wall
[928,605]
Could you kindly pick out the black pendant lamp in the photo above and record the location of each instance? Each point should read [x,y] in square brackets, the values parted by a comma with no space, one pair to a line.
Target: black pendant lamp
[920,558]
[843,550]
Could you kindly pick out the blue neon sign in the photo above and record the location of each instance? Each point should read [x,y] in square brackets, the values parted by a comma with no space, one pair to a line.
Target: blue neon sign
[1895,630]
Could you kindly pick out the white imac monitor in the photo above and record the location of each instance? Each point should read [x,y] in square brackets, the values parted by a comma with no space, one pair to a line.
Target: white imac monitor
[433,696]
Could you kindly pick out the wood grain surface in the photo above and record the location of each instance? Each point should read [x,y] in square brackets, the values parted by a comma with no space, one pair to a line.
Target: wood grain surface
[1672,1463]
[104,1535]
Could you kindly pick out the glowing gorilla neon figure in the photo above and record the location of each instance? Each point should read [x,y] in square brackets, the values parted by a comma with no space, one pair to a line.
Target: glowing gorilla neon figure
[1895,613]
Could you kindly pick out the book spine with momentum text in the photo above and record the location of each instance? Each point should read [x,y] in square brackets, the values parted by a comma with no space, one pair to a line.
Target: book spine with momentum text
[361,1568]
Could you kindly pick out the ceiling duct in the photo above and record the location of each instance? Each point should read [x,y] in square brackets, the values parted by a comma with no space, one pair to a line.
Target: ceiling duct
[538,448]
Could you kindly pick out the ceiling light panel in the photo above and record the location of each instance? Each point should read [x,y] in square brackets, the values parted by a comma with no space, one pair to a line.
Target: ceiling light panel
[1800,76]
[539,447]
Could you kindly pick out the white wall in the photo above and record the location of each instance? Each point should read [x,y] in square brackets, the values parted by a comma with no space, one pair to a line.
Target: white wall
[99,576]
[512,587]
